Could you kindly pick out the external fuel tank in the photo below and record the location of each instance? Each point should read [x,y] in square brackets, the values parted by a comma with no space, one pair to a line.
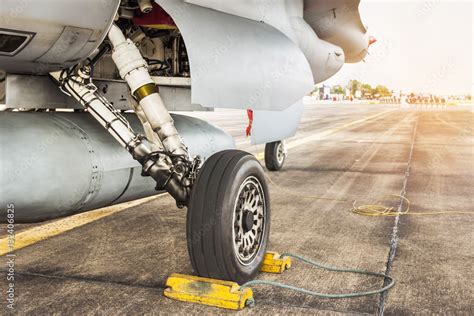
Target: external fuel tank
[57,164]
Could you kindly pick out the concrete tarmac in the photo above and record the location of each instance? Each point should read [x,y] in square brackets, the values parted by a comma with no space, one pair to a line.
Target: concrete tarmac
[118,264]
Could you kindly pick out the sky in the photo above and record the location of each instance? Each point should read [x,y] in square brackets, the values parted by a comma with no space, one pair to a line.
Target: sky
[422,46]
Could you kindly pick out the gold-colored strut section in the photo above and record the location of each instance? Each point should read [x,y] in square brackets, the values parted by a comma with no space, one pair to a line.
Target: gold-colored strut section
[144,91]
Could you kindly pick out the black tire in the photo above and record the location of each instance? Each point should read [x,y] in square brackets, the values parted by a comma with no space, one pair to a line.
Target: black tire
[273,161]
[212,217]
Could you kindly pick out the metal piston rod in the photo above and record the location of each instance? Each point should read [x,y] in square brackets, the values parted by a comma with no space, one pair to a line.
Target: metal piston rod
[171,168]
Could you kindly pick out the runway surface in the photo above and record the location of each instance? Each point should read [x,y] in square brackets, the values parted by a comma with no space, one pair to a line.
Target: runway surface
[118,264]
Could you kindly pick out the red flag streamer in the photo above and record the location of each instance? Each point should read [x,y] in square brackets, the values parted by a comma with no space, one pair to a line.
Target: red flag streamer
[249,127]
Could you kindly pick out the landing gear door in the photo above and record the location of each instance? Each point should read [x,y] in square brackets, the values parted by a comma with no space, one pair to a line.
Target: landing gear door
[270,126]
[239,63]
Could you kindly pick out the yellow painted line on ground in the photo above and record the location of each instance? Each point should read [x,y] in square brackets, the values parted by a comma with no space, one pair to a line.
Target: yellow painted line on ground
[260,156]
[38,233]
[319,136]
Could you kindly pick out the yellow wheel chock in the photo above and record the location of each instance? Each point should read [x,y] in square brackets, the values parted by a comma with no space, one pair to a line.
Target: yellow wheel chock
[219,293]
[225,294]
[273,263]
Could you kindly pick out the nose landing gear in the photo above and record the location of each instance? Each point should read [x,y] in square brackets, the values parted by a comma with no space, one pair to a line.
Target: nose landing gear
[228,220]
[275,155]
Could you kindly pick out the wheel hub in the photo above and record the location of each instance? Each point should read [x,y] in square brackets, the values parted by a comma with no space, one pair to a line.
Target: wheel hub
[247,221]
[281,152]
[249,224]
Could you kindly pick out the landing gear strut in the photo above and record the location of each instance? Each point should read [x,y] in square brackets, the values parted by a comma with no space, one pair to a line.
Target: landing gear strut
[162,152]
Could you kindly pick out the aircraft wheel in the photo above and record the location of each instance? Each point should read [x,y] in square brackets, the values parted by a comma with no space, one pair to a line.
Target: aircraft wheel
[228,220]
[275,155]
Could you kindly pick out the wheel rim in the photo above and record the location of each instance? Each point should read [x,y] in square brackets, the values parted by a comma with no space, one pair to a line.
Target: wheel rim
[280,153]
[249,220]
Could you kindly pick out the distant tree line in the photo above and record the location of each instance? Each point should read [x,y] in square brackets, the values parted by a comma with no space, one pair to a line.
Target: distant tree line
[366,89]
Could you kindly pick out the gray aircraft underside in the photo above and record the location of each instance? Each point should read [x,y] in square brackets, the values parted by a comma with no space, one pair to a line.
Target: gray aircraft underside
[259,54]
[264,55]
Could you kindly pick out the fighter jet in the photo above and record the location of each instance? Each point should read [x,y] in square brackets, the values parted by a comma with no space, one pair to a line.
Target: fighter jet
[86,90]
